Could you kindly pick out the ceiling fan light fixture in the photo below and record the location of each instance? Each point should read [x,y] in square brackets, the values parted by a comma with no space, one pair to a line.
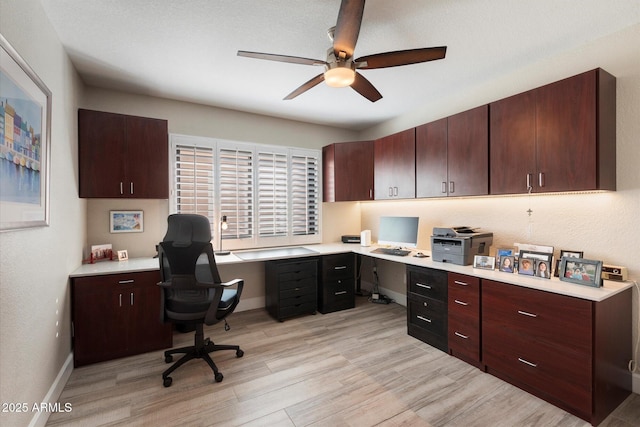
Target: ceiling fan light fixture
[339,76]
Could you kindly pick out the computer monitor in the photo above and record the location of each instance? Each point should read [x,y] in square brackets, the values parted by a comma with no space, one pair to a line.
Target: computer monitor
[399,231]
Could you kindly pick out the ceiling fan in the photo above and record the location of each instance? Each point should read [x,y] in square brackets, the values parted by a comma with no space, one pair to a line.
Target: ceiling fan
[340,67]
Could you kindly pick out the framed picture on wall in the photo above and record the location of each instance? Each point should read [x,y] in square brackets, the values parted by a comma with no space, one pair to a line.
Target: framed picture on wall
[126,221]
[25,106]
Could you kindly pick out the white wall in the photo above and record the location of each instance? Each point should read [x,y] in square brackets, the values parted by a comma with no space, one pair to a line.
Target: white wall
[35,339]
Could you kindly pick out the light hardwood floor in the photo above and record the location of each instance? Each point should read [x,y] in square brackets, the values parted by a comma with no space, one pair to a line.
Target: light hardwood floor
[352,368]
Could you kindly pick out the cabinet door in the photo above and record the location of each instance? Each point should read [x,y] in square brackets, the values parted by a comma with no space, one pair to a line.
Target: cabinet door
[147,172]
[99,319]
[348,171]
[431,159]
[101,154]
[512,131]
[395,166]
[146,329]
[566,134]
[468,153]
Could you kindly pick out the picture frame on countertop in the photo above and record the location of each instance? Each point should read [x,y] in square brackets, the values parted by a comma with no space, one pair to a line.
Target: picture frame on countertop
[123,255]
[484,262]
[581,271]
[529,260]
[543,269]
[500,252]
[25,151]
[507,264]
[564,252]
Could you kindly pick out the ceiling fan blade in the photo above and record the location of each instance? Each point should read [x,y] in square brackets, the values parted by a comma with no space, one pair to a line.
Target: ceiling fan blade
[402,57]
[347,27]
[306,86]
[365,88]
[281,58]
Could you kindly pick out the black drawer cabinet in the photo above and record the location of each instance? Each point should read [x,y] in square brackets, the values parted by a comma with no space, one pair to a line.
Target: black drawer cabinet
[427,306]
[336,290]
[291,287]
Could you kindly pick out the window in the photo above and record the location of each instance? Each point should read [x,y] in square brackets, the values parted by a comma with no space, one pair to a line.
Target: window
[269,194]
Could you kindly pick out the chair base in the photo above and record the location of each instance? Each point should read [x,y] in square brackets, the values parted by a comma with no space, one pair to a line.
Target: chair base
[200,350]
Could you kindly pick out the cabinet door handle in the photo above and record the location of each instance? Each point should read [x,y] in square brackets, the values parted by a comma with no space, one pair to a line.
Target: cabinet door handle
[444,187]
[371,193]
[461,302]
[458,334]
[132,188]
[120,299]
[125,282]
[525,313]
[121,188]
[390,191]
[340,267]
[340,293]
[451,187]
[395,191]
[423,286]
[424,319]
[541,179]
[526,362]
[529,187]
[457,282]
[131,298]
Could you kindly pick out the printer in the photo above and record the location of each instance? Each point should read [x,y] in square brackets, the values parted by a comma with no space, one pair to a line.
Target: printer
[458,245]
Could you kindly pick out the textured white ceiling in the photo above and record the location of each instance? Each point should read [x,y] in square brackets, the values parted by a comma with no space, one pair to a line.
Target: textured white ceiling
[186,49]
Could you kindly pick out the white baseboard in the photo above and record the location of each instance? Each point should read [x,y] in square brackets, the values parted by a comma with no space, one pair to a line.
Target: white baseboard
[635,386]
[40,418]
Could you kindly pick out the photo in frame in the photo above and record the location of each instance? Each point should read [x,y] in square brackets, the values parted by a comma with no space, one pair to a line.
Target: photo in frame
[123,255]
[567,253]
[484,262]
[530,261]
[507,264]
[126,221]
[502,252]
[25,106]
[581,271]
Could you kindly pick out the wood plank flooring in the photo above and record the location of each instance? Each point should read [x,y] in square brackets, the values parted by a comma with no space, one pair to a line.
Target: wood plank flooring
[352,368]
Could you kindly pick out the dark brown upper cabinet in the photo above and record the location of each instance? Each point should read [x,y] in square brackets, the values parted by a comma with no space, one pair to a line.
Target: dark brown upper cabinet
[348,171]
[395,166]
[452,155]
[122,156]
[559,137]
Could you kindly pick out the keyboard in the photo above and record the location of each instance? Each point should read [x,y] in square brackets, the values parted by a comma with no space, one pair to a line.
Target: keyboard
[388,251]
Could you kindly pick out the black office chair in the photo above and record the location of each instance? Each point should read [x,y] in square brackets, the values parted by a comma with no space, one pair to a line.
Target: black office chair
[193,294]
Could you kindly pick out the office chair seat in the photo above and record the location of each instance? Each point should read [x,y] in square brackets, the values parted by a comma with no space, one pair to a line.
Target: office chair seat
[193,293]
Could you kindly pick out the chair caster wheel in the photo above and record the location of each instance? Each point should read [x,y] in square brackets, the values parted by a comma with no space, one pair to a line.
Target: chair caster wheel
[239,353]
[167,381]
[218,376]
[168,359]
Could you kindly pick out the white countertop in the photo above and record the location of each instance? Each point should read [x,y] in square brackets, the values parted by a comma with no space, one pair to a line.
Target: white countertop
[554,284]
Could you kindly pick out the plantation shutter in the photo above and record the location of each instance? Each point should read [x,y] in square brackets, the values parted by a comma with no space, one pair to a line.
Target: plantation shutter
[235,166]
[305,194]
[193,180]
[272,194]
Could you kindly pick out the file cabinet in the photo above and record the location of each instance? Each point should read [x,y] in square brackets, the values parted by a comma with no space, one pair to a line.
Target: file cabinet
[291,287]
[464,318]
[427,305]
[337,283]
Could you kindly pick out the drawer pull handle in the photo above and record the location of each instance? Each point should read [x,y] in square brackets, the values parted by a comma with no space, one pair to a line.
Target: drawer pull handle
[526,362]
[423,286]
[340,267]
[341,293]
[424,319]
[524,313]
[457,282]
[461,302]
[125,282]
[458,334]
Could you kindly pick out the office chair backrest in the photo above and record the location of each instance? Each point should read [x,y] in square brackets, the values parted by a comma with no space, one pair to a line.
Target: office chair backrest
[188,237]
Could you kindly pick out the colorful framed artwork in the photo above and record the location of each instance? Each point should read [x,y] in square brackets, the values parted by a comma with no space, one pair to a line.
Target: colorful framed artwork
[25,133]
[126,221]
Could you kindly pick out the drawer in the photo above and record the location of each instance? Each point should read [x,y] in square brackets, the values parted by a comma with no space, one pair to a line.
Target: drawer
[295,267]
[304,287]
[305,307]
[556,371]
[427,282]
[558,320]
[296,300]
[428,314]
[124,280]
[338,266]
[301,283]
[464,336]
[464,296]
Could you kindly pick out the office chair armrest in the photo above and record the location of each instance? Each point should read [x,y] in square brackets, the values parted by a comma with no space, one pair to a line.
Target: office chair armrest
[235,282]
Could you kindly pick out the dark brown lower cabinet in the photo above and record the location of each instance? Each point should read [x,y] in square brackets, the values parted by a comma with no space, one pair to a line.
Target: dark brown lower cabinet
[117,315]
[464,318]
[291,287]
[569,351]
[336,290]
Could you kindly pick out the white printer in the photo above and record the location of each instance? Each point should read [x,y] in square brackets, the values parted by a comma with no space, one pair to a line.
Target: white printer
[458,245]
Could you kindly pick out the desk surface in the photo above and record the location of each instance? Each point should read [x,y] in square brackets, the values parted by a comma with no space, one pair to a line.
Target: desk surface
[554,284]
